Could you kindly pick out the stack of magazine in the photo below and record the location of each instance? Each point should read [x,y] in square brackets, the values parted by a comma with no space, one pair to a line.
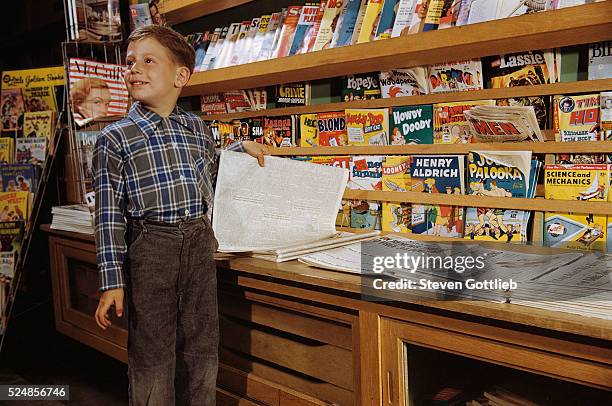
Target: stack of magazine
[75,218]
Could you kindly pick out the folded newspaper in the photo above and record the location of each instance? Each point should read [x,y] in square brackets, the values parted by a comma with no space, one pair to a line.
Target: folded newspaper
[503,123]
[285,209]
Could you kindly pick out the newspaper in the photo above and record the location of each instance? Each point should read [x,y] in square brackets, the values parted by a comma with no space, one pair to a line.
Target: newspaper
[285,203]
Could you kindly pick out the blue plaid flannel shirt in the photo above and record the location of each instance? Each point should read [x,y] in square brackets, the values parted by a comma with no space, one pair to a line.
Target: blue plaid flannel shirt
[149,167]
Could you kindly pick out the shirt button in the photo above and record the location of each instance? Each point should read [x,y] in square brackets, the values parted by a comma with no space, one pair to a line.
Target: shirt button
[186,212]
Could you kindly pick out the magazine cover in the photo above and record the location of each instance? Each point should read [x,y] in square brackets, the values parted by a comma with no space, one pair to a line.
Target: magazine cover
[309,136]
[600,60]
[403,17]
[96,90]
[387,17]
[292,94]
[212,104]
[237,101]
[411,125]
[366,215]
[7,148]
[14,206]
[503,124]
[343,219]
[95,20]
[332,129]
[576,118]
[279,131]
[12,108]
[305,28]
[86,142]
[328,24]
[366,172]
[403,82]
[19,177]
[455,76]
[38,124]
[605,113]
[367,32]
[11,234]
[540,105]
[365,86]
[288,31]
[367,126]
[40,98]
[585,232]
[348,23]
[520,69]
[437,174]
[31,150]
[449,123]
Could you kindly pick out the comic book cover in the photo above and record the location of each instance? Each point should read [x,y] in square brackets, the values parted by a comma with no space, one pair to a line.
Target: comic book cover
[503,124]
[437,174]
[366,215]
[216,41]
[38,124]
[600,60]
[332,129]
[96,90]
[237,101]
[403,82]
[585,232]
[411,125]
[396,217]
[609,236]
[225,132]
[367,31]
[519,69]
[348,23]
[14,206]
[214,131]
[540,106]
[12,108]
[455,76]
[304,30]
[365,86]
[450,125]
[292,94]
[605,112]
[31,150]
[576,118]
[11,234]
[6,150]
[41,98]
[279,131]
[328,25]
[367,126]
[7,268]
[396,173]
[19,177]
[212,104]
[248,129]
[309,135]
[499,174]
[288,31]
[343,219]
[387,17]
[366,172]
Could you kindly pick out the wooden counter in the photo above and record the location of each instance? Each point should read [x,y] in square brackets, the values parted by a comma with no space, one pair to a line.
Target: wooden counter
[293,334]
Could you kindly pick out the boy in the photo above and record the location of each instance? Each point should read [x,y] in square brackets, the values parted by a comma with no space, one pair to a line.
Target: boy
[154,173]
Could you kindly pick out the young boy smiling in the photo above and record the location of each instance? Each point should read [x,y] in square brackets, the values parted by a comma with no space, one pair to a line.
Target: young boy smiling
[154,177]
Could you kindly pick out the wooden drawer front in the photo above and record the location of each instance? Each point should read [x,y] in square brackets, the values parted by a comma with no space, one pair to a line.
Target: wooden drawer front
[281,343]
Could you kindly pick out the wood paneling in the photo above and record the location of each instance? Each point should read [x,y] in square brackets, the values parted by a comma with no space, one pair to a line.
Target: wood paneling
[178,11]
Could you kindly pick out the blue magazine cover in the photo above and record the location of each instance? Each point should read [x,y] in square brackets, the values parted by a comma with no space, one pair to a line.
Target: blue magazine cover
[348,23]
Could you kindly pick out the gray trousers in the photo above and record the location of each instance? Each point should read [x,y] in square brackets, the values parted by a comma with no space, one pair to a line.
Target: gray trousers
[173,325]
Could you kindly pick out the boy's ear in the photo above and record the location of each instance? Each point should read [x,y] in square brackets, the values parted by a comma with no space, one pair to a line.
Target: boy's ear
[182,76]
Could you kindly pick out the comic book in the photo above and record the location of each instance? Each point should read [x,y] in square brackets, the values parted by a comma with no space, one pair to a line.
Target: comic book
[403,17]
[365,86]
[31,150]
[411,125]
[212,104]
[540,105]
[11,234]
[609,236]
[499,174]
[367,126]
[605,113]
[576,118]
[200,43]
[14,206]
[343,219]
[328,25]
[585,231]
[308,130]
[237,101]
[224,132]
[367,32]
[366,215]
[96,90]
[7,269]
[288,31]
[292,94]
[332,129]
[305,28]
[280,131]
[396,217]
[19,177]
[449,123]
[600,60]
[455,76]
[12,108]
[38,124]
[396,174]
[7,148]
[40,98]
[519,69]
[366,172]
[348,22]
[437,174]
[387,18]
[403,82]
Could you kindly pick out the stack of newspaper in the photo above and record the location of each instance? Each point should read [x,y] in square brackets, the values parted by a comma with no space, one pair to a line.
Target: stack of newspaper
[503,123]
[75,218]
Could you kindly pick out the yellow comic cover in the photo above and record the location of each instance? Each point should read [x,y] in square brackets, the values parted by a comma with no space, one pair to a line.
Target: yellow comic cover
[370,21]
[367,126]
[577,182]
[396,173]
[396,217]
[40,98]
[576,118]
[6,150]
[308,130]
[450,124]
[585,232]
[38,124]
[14,206]
[21,79]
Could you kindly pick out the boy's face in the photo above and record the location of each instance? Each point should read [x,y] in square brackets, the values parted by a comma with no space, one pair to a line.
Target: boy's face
[151,75]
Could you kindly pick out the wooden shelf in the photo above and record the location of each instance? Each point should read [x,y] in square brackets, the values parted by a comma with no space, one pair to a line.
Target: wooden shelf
[586,86]
[565,206]
[179,11]
[550,147]
[568,26]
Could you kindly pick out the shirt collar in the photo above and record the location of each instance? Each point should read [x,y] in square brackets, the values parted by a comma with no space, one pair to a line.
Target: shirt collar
[148,121]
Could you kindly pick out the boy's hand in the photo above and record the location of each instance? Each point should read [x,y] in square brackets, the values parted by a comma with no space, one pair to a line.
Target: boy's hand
[109,298]
[256,150]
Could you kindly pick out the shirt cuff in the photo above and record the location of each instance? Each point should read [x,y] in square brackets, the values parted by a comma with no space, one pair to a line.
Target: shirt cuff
[111,278]
[237,147]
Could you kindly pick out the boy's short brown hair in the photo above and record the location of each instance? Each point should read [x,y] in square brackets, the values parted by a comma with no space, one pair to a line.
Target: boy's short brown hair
[182,53]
